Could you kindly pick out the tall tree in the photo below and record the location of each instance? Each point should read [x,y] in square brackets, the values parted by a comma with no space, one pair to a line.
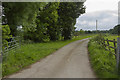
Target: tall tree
[47,21]
[68,12]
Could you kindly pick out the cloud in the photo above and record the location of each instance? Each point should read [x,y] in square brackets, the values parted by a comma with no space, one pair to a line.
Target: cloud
[106,20]
[100,5]
[119,13]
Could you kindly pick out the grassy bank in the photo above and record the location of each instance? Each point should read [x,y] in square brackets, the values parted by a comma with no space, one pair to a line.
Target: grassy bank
[30,53]
[103,63]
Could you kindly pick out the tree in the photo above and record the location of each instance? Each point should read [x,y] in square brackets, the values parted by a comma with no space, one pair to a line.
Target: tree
[115,30]
[47,22]
[68,12]
[21,13]
[82,31]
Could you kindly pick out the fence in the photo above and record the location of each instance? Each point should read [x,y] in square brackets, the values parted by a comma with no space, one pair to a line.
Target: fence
[106,43]
[11,45]
[116,48]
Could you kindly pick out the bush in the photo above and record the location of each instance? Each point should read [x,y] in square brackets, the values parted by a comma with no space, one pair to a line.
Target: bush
[5,35]
[103,63]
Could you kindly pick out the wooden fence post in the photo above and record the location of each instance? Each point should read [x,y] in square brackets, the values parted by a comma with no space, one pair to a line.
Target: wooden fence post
[108,44]
[114,46]
[118,52]
[104,42]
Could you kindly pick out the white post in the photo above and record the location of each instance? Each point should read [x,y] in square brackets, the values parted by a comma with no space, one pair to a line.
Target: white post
[96,25]
[118,52]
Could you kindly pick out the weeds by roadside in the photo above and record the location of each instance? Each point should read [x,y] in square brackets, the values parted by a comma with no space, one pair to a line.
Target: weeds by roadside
[103,63]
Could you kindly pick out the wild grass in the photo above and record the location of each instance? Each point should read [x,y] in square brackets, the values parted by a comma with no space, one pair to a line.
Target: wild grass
[103,63]
[31,53]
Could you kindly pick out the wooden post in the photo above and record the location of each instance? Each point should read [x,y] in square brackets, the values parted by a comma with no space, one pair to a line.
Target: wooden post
[114,46]
[118,52]
[96,25]
[104,42]
[108,44]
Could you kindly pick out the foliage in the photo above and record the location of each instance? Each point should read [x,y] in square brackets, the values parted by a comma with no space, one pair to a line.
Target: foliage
[82,31]
[77,33]
[21,13]
[47,21]
[43,21]
[115,30]
[99,39]
[94,31]
[103,63]
[5,35]
[68,12]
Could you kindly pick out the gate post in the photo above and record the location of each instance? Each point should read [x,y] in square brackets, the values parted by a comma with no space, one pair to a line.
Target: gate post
[118,53]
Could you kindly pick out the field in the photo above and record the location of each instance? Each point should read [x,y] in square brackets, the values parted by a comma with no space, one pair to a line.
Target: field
[111,37]
[31,53]
[103,63]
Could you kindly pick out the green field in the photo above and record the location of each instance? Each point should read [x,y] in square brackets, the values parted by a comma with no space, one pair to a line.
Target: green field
[31,53]
[103,62]
[111,37]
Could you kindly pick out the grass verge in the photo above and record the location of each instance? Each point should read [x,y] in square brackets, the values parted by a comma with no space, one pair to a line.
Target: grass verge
[31,53]
[103,63]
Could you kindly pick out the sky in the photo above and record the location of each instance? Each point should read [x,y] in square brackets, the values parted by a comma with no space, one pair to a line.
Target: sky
[105,11]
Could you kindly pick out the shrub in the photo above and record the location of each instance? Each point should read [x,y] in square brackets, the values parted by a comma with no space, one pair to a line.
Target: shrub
[103,63]
[5,35]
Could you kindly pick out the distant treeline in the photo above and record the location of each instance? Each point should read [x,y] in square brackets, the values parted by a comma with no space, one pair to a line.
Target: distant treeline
[115,30]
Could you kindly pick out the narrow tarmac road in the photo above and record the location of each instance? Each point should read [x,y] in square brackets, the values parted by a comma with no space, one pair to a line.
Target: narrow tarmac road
[71,61]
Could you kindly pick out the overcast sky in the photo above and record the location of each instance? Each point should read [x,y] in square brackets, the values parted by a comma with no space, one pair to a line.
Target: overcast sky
[105,11]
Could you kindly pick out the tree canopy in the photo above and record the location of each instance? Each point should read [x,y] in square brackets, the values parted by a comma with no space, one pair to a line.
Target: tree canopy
[115,30]
[42,21]
[68,12]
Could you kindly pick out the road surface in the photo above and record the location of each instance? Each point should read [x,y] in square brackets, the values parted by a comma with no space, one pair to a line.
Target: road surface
[71,61]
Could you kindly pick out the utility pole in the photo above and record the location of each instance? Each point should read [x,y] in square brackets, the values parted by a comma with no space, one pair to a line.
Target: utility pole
[96,25]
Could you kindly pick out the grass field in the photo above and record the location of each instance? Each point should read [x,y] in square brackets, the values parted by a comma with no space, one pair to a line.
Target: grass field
[103,63]
[111,37]
[31,53]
